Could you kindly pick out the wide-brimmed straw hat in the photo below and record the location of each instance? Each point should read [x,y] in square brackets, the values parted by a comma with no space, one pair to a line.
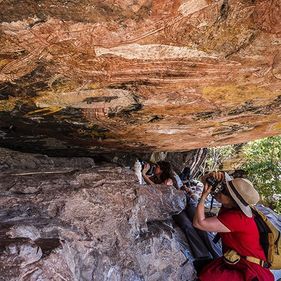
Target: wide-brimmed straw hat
[243,193]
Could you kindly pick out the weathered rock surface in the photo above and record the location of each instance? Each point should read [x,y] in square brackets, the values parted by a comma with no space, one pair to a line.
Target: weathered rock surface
[93,223]
[93,76]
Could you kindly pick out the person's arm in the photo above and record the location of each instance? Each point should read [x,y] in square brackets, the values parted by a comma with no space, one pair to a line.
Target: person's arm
[200,221]
[145,176]
[148,180]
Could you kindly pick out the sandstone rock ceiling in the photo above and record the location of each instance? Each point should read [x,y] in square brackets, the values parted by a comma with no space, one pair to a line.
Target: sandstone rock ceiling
[133,75]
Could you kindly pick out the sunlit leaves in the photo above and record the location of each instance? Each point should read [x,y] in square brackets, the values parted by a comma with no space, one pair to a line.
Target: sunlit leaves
[263,164]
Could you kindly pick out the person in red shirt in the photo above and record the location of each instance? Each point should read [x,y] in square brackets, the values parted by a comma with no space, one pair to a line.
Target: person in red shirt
[244,258]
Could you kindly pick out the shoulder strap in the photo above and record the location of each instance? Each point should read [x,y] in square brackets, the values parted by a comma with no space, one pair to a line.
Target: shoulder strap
[263,231]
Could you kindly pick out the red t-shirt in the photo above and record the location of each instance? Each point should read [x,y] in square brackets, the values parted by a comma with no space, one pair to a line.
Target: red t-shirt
[244,239]
[244,235]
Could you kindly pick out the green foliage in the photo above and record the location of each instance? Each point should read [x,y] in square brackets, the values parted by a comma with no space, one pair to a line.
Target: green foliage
[216,156]
[263,165]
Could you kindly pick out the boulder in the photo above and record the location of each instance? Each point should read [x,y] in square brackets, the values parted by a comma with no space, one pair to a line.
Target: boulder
[91,224]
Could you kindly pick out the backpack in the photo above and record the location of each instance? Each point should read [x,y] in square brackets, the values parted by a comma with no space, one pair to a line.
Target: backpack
[269,236]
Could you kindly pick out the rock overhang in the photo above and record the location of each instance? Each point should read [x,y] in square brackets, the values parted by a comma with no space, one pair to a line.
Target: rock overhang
[108,76]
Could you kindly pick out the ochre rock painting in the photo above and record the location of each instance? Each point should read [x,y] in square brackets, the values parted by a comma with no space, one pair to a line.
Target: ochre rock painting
[133,75]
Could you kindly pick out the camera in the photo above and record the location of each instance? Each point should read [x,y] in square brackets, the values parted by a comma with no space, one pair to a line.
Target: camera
[217,186]
[152,167]
[212,182]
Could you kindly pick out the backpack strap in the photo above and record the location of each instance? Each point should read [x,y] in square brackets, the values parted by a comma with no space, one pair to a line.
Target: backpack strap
[232,257]
[258,261]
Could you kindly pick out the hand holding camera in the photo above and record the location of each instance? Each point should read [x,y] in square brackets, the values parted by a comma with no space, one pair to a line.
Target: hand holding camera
[213,183]
[145,168]
[148,169]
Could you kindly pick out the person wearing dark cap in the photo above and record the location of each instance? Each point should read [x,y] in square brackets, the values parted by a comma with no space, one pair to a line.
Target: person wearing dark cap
[243,258]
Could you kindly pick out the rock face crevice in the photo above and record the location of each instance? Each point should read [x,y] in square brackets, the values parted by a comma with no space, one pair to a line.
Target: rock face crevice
[95,76]
[91,223]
